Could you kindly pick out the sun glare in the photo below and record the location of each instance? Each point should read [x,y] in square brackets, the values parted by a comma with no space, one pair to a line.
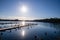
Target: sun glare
[23,23]
[23,9]
[23,32]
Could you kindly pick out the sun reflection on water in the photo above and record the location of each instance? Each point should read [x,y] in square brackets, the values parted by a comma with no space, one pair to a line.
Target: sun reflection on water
[23,23]
[23,32]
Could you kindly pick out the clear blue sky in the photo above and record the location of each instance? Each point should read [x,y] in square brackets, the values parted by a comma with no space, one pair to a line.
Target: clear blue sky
[36,8]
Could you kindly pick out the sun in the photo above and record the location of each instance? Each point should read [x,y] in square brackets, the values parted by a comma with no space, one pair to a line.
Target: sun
[23,9]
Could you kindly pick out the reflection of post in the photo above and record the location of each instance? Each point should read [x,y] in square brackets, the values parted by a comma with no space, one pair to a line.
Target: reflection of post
[16,29]
[35,37]
[19,28]
[28,27]
[10,30]
[31,26]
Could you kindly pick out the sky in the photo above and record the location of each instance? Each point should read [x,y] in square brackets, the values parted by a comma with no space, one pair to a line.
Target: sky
[35,9]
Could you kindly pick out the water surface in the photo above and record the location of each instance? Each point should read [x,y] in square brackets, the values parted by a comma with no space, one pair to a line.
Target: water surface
[42,31]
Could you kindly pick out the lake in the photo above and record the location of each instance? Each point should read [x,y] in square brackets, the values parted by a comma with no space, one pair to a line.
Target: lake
[41,31]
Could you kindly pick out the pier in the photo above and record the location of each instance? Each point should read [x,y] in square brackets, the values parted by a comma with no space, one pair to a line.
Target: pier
[16,26]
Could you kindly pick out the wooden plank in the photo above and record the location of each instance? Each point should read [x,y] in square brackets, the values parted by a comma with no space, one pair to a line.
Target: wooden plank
[16,26]
[13,27]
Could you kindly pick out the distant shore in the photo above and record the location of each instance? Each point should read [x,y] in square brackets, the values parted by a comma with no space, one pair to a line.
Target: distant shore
[50,20]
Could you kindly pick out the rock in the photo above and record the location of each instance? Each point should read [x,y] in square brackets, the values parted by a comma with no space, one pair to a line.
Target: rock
[45,33]
[35,37]
[54,31]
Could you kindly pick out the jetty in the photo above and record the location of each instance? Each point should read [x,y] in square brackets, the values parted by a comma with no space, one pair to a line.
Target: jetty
[16,26]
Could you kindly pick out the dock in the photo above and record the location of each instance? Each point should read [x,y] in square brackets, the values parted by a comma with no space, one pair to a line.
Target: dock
[16,26]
